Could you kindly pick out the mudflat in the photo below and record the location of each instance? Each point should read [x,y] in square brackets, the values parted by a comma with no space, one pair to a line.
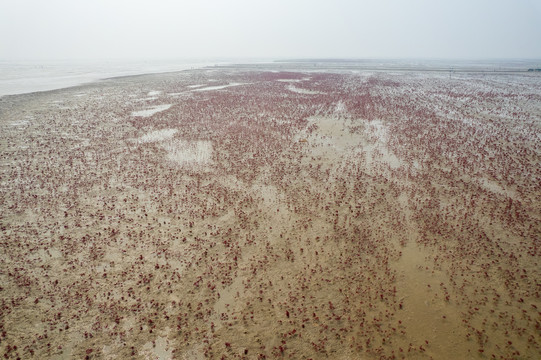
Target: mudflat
[260,213]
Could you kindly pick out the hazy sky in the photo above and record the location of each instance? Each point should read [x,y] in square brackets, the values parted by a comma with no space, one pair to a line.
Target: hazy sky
[146,29]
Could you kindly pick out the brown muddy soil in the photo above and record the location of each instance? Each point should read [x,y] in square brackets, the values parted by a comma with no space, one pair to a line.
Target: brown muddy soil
[235,213]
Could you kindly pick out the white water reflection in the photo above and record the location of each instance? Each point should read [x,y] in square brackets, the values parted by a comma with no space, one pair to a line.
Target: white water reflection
[25,77]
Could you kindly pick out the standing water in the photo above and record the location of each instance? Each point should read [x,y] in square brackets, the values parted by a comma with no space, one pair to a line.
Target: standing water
[31,76]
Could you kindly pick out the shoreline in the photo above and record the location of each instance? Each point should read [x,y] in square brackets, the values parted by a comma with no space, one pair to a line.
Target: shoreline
[25,78]
[95,82]
[447,66]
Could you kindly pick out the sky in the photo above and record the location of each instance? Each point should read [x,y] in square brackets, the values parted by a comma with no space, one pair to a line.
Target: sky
[169,29]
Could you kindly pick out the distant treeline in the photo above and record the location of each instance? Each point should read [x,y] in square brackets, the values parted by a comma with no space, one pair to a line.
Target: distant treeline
[538,69]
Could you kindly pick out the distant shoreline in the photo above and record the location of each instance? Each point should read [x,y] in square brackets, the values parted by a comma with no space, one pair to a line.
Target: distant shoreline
[19,79]
[316,67]
[441,65]
[29,77]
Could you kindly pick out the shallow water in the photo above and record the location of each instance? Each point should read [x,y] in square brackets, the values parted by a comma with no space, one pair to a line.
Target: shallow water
[31,76]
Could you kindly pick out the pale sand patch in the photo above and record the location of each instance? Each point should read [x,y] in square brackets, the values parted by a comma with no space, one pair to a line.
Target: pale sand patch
[151,111]
[181,151]
[496,188]
[152,98]
[158,135]
[154,93]
[195,352]
[46,254]
[303,91]
[219,87]
[186,152]
[158,349]
[19,123]
[330,131]
[377,149]
[289,80]
[340,108]
[294,80]
[176,95]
